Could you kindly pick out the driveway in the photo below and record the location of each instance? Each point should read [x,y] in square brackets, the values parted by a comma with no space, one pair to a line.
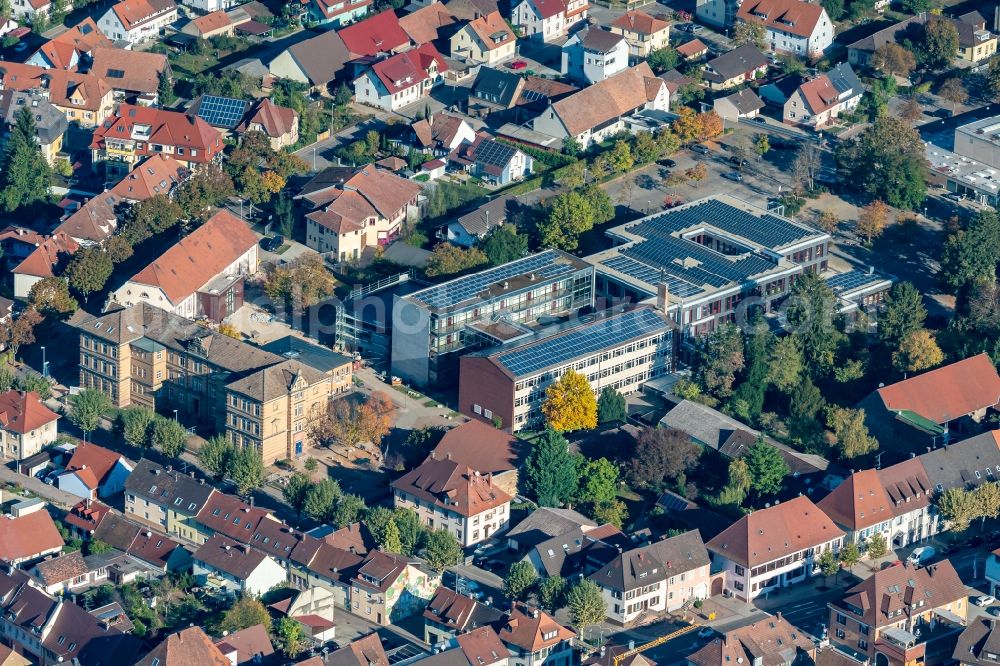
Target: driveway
[54,495]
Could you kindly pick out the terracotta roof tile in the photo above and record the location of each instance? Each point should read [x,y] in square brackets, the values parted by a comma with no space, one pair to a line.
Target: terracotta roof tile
[276,120]
[82,38]
[948,392]
[28,536]
[86,515]
[527,627]
[452,486]
[693,48]
[407,69]
[48,255]
[133,13]
[381,33]
[128,70]
[212,22]
[252,645]
[186,647]
[61,568]
[479,444]
[24,411]
[640,22]
[94,459]
[236,559]
[770,641]
[486,27]
[169,128]
[89,89]
[425,24]
[790,16]
[605,100]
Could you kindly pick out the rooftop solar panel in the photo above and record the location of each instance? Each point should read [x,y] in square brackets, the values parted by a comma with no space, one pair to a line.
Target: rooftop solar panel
[494,152]
[650,275]
[851,280]
[222,111]
[582,341]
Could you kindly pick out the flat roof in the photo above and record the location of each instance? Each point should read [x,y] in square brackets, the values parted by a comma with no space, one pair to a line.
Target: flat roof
[965,170]
[663,246]
[854,283]
[543,267]
[313,355]
[986,129]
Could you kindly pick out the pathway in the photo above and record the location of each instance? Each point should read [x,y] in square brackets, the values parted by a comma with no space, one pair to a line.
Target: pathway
[36,486]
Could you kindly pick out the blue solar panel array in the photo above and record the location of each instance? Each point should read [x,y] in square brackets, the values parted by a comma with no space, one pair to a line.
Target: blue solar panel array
[650,275]
[544,265]
[851,280]
[222,111]
[582,341]
[767,230]
[695,263]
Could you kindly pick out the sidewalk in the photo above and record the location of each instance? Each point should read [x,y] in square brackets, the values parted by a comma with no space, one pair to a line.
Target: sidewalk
[54,495]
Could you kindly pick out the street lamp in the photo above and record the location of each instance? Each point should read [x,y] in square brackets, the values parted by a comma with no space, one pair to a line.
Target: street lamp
[175,415]
[45,364]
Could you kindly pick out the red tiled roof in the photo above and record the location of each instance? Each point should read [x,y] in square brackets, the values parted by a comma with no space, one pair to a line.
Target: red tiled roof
[407,69]
[887,594]
[481,446]
[452,487]
[381,33]
[94,459]
[791,16]
[819,94]
[157,175]
[195,260]
[186,647]
[84,37]
[549,8]
[43,260]
[489,25]
[871,496]
[276,120]
[315,621]
[211,22]
[168,128]
[527,627]
[28,536]
[252,645]
[640,22]
[948,392]
[692,48]
[62,85]
[22,412]
[86,515]
[128,70]
[425,24]
[133,13]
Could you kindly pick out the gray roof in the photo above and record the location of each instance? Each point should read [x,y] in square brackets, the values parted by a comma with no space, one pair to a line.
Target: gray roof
[226,555]
[733,63]
[313,355]
[544,523]
[980,639]
[50,123]
[965,464]
[716,430]
[496,86]
[163,487]
[889,35]
[745,101]
[277,380]
[655,562]
[488,216]
[843,78]
[561,555]
[322,57]
[602,41]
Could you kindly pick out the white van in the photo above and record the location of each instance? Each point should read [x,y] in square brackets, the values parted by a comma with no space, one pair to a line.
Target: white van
[921,555]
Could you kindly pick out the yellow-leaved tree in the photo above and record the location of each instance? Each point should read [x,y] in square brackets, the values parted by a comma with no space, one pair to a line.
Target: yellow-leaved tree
[570,403]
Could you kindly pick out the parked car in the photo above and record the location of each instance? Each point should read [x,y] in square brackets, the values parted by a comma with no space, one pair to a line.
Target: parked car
[738,161]
[21,47]
[700,148]
[667,162]
[984,600]
[734,176]
[706,632]
[271,243]
[921,555]
[889,565]
[994,611]
[518,64]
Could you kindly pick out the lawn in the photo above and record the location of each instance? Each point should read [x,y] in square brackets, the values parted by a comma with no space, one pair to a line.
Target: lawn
[189,65]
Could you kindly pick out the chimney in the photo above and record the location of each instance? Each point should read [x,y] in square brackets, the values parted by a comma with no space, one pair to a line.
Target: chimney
[251,501]
[534,613]
[448,456]
[662,295]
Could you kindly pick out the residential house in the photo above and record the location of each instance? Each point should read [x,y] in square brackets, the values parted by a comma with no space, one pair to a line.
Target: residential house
[643,32]
[780,90]
[85,516]
[231,517]
[131,73]
[18,242]
[247,646]
[692,50]
[201,275]
[449,614]
[619,349]
[401,79]
[279,123]
[316,62]
[651,579]
[599,111]
[269,410]
[10,658]
[29,9]
[593,55]
[433,23]
[741,104]
[28,537]
[487,40]
[975,42]
[97,218]
[774,547]
[479,647]
[357,209]
[442,133]
[966,465]
[486,448]
[893,501]
[84,98]
[188,646]
[53,253]
[470,10]
[138,21]
[733,68]
[236,568]
[901,614]
[26,425]
[94,472]
[62,573]
[337,13]
[206,6]
[821,100]
[387,588]
[448,495]
[67,49]
[494,162]
[934,407]
[510,94]
[773,640]
[548,20]
[543,524]
[979,644]
[313,608]
[472,227]
[210,25]
[365,651]
[791,26]
[859,53]
[166,499]
[380,34]
[578,551]
[137,132]
[53,631]
[50,122]
[533,638]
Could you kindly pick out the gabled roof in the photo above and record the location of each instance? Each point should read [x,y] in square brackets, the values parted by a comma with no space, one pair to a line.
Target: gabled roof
[133,13]
[869,497]
[94,459]
[426,24]
[497,86]
[231,516]
[195,260]
[492,30]
[470,10]
[322,57]
[228,556]
[605,100]
[211,22]
[655,562]
[43,260]
[353,196]
[794,17]
[82,38]
[979,643]
[487,217]
[547,8]
[66,89]
[640,22]
[62,568]
[481,646]
[169,128]
[28,536]
[527,627]
[452,487]
[967,464]
[186,647]
[366,651]
[883,597]
[544,523]
[889,35]
[380,33]
[86,515]
[128,70]
[24,411]
[163,487]
[251,645]
[774,641]
[738,62]
[947,393]
[407,69]
[599,40]
[692,48]
[458,612]
[276,120]
[770,534]
[745,101]
[277,380]
[479,444]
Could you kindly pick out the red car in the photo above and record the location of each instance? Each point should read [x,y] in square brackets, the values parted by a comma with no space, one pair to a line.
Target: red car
[518,64]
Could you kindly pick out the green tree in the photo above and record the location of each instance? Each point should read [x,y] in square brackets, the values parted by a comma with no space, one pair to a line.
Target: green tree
[519,581]
[849,555]
[88,271]
[504,244]
[752,388]
[611,406]
[51,297]
[87,408]
[988,500]
[569,403]
[98,547]
[549,473]
[573,213]
[767,468]
[216,456]
[786,363]
[620,157]
[381,524]
[886,161]
[805,406]
[134,425]
[918,351]
[939,43]
[296,490]
[876,547]
[349,510]
[24,172]
[663,59]
[611,511]
[441,550]
[343,96]
[551,593]
[959,507]
[411,532]
[828,564]
[903,313]
[586,604]
[853,440]
[246,469]
[598,481]
[170,436]
[971,254]
[448,259]
[321,498]
[750,32]
[290,637]
[34,383]
[246,612]
[660,455]
[738,484]
[811,313]
[165,89]
[719,359]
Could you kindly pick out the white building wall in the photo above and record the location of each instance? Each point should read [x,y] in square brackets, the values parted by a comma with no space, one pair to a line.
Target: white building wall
[468,530]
